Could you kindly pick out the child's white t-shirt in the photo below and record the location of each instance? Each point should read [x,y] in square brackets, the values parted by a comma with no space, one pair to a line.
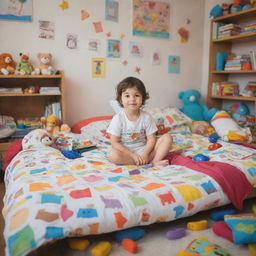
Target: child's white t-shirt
[133,133]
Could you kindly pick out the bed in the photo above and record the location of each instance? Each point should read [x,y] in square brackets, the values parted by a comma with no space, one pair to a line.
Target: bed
[50,197]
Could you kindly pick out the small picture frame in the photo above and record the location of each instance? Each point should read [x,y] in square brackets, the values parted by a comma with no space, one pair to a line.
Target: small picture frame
[114,48]
[155,58]
[93,45]
[111,10]
[98,67]
[135,49]
[174,64]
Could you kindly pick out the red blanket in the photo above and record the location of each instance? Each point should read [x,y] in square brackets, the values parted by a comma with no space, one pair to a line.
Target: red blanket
[233,181]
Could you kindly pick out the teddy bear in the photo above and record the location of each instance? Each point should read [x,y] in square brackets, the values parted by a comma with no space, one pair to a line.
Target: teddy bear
[24,67]
[45,67]
[192,108]
[7,64]
[52,124]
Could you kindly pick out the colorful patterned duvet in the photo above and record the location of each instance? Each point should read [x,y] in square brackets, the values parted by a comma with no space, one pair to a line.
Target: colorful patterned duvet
[49,197]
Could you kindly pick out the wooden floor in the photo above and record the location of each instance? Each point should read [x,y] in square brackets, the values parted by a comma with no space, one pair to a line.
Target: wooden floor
[2,191]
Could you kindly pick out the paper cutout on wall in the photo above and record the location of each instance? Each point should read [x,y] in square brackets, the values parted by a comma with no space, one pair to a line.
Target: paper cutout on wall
[135,49]
[64,5]
[188,21]
[98,26]
[46,29]
[184,35]
[93,45]
[125,62]
[114,48]
[122,36]
[174,64]
[98,67]
[108,34]
[84,14]
[137,70]
[155,58]
[111,10]
[71,41]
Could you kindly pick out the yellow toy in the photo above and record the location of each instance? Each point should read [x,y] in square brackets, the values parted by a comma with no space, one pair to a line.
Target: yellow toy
[198,225]
[78,243]
[252,249]
[52,124]
[102,249]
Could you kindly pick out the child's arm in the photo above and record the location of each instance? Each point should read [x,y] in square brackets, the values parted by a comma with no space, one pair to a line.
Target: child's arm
[151,141]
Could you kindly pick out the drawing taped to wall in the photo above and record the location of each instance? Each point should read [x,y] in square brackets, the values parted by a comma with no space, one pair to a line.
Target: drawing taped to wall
[151,18]
[111,10]
[46,29]
[135,49]
[98,67]
[155,58]
[93,45]
[113,48]
[16,10]
[71,41]
[174,64]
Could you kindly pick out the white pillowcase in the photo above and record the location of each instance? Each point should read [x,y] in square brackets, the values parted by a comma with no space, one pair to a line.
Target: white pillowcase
[115,106]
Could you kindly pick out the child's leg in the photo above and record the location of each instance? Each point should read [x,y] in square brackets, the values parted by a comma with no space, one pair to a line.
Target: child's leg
[118,157]
[162,147]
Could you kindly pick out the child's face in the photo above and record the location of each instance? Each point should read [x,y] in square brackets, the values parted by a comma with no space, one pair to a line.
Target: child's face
[131,98]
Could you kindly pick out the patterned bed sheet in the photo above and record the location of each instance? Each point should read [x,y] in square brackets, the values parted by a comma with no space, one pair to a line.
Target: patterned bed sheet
[50,197]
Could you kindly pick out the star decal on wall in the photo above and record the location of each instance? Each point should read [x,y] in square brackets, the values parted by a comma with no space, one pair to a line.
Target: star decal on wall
[125,62]
[137,70]
[64,5]
[108,34]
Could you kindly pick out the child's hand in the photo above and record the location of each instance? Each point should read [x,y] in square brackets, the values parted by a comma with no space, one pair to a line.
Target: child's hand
[145,158]
[137,159]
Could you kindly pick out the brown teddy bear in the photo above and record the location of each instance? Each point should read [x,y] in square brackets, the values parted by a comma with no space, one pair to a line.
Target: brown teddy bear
[7,64]
[45,67]
[52,124]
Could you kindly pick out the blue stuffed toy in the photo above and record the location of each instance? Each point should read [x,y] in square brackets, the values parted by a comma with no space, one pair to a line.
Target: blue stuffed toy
[193,109]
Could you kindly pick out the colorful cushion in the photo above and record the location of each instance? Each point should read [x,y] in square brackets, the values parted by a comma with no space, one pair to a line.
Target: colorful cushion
[201,246]
[243,227]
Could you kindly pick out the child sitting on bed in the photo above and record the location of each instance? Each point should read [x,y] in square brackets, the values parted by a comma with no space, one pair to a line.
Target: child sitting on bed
[132,130]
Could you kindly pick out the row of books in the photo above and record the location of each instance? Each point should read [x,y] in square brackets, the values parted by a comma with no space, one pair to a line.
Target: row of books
[237,62]
[222,30]
[49,90]
[42,90]
[253,58]
[250,89]
[10,90]
[53,108]
[225,88]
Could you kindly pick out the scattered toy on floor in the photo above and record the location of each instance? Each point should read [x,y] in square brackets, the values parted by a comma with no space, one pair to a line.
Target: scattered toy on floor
[175,233]
[131,233]
[252,249]
[102,249]
[200,157]
[198,225]
[79,244]
[220,228]
[213,138]
[129,245]
[214,146]
[71,154]
[254,208]
[219,215]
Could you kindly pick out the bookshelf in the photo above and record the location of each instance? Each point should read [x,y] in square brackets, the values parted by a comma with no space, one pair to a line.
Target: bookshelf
[19,105]
[227,44]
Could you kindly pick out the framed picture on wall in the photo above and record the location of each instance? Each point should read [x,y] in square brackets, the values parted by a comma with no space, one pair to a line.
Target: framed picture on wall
[111,10]
[16,10]
[98,67]
[113,48]
[174,64]
[135,49]
[151,18]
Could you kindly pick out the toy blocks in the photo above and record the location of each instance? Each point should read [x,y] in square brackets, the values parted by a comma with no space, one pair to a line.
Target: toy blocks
[252,249]
[219,215]
[102,249]
[198,225]
[129,245]
[78,243]
[176,233]
[131,233]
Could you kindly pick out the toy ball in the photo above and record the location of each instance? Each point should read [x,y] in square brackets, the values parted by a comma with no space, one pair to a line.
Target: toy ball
[200,157]
[214,146]
[71,154]
[213,138]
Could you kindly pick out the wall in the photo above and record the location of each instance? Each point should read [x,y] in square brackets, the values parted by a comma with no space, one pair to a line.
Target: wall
[87,96]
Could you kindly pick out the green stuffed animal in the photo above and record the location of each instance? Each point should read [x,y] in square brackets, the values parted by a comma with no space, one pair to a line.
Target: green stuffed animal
[24,67]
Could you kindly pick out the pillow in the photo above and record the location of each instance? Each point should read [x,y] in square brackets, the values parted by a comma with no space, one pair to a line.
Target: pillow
[243,227]
[96,130]
[169,116]
[34,139]
[201,246]
[228,129]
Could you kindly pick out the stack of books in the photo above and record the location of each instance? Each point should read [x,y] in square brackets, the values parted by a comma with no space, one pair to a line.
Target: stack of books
[250,89]
[11,90]
[53,108]
[49,90]
[249,28]
[229,30]
[226,88]
[235,62]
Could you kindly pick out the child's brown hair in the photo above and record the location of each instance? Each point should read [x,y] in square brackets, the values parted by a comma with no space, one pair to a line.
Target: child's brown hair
[131,82]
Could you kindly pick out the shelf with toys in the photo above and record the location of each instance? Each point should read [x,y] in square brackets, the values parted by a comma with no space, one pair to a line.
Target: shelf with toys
[232,40]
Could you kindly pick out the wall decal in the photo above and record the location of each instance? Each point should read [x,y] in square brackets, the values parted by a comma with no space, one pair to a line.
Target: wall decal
[137,70]
[184,35]
[174,64]
[125,62]
[135,49]
[113,48]
[98,67]
[84,14]
[71,41]
[46,29]
[16,10]
[111,10]
[108,34]
[155,58]
[98,26]
[64,5]
[151,18]
[93,45]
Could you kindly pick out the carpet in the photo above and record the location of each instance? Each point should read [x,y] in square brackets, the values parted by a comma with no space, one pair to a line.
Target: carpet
[155,243]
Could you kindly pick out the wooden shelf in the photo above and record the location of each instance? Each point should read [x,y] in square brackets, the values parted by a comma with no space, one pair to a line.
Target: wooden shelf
[32,76]
[234,72]
[242,98]
[28,95]
[241,37]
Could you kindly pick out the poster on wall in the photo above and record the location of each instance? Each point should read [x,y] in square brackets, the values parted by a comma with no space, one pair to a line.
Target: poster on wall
[174,64]
[111,10]
[151,18]
[46,29]
[114,48]
[16,10]
[98,67]
[135,49]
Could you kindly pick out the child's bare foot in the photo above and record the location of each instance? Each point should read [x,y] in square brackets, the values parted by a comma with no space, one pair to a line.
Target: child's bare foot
[161,163]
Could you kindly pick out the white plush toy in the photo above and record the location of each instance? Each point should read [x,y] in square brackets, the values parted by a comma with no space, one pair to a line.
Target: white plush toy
[228,129]
[45,67]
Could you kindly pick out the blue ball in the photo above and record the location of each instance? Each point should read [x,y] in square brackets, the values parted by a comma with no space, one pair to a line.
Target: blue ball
[200,157]
[213,138]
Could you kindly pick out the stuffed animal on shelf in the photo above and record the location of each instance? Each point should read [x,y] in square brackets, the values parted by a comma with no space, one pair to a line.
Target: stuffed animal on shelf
[24,67]
[193,109]
[7,64]
[52,124]
[216,11]
[45,67]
